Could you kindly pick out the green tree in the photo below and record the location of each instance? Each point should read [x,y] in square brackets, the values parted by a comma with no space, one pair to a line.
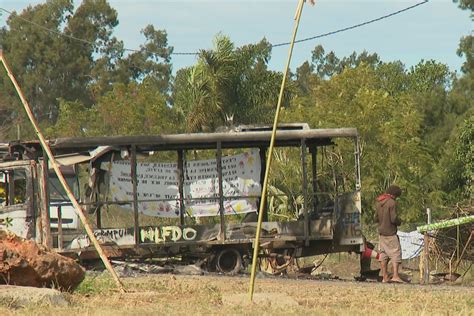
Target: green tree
[58,53]
[152,61]
[228,85]
[30,52]
[128,109]
[328,65]
[456,167]
[465,4]
[74,120]
[49,66]
[428,84]
[457,164]
[390,126]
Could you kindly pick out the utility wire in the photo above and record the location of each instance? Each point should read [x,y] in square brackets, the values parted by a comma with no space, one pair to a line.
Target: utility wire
[196,53]
[353,26]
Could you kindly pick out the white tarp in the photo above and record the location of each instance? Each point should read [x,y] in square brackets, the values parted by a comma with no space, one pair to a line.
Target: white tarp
[159,181]
[411,243]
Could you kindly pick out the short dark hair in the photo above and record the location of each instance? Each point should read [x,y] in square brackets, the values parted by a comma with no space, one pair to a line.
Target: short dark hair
[394,190]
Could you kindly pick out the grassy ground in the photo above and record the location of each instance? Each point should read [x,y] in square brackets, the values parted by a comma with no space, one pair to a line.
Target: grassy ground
[211,294]
[170,294]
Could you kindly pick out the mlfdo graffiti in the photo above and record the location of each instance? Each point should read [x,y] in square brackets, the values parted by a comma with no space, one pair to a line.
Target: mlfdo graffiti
[167,233]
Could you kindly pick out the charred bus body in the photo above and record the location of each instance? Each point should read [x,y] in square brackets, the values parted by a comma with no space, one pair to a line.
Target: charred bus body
[188,195]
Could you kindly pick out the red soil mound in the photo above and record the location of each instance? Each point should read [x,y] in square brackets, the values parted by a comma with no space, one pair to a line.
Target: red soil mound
[25,263]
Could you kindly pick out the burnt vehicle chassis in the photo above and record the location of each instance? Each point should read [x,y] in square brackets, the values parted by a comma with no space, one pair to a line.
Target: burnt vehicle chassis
[223,246]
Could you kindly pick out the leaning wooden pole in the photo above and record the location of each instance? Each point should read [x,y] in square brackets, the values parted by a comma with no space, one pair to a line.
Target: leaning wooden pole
[299,9]
[60,176]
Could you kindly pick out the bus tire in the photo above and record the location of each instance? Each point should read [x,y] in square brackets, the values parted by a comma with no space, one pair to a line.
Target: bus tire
[229,261]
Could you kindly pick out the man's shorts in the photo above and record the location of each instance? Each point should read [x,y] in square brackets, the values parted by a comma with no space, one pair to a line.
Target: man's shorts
[389,248]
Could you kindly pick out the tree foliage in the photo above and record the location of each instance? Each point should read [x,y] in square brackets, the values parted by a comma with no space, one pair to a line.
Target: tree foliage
[328,65]
[58,53]
[457,165]
[227,86]
[416,123]
[128,109]
[390,126]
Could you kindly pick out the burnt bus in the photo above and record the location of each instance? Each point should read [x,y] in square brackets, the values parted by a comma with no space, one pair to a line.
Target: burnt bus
[191,196]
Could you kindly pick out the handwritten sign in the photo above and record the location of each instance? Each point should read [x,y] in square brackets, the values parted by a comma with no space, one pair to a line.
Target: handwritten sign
[159,181]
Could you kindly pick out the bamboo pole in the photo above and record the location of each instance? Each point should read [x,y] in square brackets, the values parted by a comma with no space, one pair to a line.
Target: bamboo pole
[60,176]
[299,9]
[446,224]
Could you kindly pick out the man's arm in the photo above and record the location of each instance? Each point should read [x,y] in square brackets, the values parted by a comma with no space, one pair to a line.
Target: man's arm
[393,216]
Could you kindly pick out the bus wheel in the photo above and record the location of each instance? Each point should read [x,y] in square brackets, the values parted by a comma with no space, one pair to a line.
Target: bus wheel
[229,261]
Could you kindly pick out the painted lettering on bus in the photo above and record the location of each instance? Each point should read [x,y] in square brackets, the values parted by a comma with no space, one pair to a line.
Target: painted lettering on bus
[351,225]
[167,233]
[7,222]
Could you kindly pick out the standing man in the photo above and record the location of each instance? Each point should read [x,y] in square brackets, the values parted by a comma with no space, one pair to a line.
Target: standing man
[388,221]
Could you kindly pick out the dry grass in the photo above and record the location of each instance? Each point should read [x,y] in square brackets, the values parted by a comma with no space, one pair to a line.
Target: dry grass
[169,294]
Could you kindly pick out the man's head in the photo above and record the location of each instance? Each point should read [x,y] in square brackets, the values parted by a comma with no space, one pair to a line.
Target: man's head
[394,190]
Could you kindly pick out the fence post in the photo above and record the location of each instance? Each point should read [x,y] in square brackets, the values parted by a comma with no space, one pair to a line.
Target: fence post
[426,252]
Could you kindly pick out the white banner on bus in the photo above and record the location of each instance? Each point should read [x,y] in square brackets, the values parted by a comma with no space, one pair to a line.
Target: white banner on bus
[159,181]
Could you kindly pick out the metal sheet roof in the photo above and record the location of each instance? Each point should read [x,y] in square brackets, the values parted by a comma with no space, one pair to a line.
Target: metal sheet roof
[206,140]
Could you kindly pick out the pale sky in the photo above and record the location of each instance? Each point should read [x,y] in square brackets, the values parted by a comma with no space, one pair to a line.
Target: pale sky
[429,31]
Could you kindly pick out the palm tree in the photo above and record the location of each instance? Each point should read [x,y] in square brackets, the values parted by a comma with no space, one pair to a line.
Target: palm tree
[203,99]
[228,83]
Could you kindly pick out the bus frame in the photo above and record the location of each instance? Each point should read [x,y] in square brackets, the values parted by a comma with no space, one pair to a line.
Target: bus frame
[225,247]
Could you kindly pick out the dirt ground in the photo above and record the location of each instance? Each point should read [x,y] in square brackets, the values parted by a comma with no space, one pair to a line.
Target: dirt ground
[214,294]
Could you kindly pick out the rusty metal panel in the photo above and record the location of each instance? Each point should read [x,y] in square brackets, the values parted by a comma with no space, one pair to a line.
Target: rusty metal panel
[189,234]
[43,205]
[30,199]
[206,140]
[19,217]
[348,211]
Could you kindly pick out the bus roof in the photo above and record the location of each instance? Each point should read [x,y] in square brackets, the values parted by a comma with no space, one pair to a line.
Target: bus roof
[244,139]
